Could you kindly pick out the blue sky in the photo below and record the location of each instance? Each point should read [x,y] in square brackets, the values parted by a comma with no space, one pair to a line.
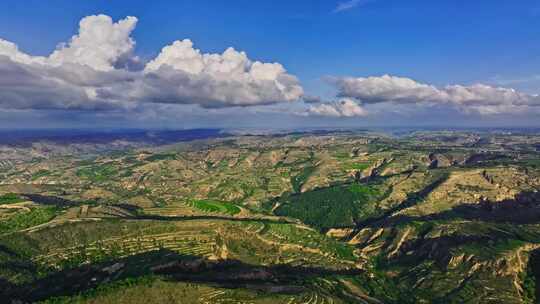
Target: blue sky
[432,42]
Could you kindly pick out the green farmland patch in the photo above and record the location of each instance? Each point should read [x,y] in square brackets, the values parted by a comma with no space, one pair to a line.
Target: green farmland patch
[23,220]
[10,198]
[99,173]
[40,173]
[337,206]
[215,206]
[298,180]
[356,166]
[161,156]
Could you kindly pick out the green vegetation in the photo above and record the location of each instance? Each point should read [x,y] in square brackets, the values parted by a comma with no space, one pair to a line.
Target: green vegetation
[337,206]
[158,289]
[530,163]
[530,278]
[104,289]
[492,248]
[85,162]
[470,188]
[99,173]
[363,191]
[341,155]
[422,228]
[356,166]
[23,220]
[312,239]
[10,198]
[162,156]
[406,234]
[298,181]
[159,202]
[222,164]
[215,206]
[127,173]
[40,173]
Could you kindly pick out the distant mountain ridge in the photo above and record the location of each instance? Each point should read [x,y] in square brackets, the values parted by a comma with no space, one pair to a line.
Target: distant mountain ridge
[26,137]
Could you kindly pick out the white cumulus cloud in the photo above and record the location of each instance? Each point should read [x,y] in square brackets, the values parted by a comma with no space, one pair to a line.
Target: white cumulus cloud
[477,98]
[345,107]
[99,44]
[215,80]
[96,70]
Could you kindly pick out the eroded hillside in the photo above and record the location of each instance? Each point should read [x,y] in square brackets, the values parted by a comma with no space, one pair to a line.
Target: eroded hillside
[333,217]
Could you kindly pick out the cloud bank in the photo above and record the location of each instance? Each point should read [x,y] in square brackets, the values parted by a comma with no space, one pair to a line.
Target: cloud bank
[477,98]
[345,107]
[97,70]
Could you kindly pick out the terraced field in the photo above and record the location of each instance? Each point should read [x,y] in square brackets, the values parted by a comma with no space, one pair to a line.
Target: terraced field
[182,242]
[210,206]
[337,217]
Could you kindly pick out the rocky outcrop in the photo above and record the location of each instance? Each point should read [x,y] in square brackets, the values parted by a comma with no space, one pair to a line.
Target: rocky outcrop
[339,233]
[436,160]
[372,172]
